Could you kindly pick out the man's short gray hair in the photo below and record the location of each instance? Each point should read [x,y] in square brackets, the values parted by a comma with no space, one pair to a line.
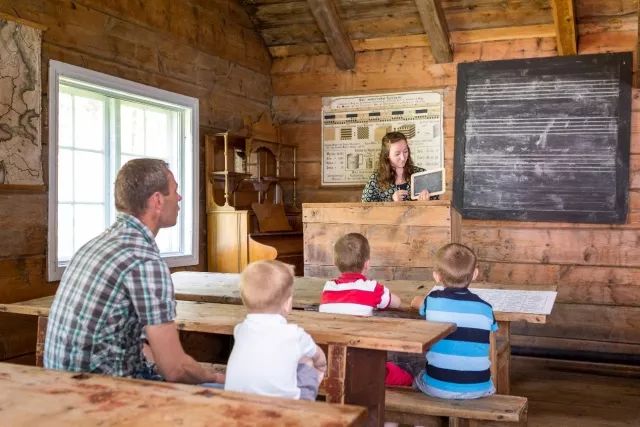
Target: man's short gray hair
[137,180]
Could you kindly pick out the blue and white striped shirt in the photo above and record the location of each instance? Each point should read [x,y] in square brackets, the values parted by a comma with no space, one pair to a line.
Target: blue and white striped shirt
[459,365]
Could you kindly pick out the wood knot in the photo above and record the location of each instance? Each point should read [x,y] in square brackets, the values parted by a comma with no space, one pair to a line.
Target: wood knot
[81,377]
[205,393]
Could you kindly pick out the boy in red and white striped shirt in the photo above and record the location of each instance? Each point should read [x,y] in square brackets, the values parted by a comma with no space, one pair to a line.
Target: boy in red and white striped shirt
[352,293]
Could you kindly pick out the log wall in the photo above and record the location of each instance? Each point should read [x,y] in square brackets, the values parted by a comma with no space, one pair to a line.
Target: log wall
[205,49]
[596,267]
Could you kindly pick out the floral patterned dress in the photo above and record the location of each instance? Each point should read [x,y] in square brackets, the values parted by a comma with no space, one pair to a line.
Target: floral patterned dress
[372,191]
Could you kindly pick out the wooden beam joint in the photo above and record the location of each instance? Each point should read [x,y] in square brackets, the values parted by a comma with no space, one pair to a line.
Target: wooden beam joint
[326,16]
[435,25]
[564,17]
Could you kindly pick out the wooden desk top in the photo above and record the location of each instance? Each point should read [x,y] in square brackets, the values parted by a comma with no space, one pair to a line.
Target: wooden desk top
[35,396]
[223,288]
[410,203]
[405,335]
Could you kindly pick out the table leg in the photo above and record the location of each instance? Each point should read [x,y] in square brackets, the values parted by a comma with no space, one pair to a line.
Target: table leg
[503,359]
[356,376]
[493,357]
[41,334]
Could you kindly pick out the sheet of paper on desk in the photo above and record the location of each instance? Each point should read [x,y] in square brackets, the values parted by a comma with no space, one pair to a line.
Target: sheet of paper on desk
[516,301]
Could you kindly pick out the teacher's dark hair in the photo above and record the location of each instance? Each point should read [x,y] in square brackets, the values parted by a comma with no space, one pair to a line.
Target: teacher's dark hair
[387,174]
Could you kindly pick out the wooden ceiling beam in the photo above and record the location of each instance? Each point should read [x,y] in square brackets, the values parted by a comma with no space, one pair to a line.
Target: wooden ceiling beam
[435,25]
[421,40]
[564,17]
[326,16]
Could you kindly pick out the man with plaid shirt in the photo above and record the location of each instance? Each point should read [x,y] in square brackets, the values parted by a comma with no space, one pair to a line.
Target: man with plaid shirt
[117,289]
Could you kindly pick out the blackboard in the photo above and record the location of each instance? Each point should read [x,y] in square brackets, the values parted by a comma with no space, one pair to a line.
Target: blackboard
[431,180]
[544,139]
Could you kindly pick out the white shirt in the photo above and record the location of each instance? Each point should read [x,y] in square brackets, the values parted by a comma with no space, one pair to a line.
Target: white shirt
[265,356]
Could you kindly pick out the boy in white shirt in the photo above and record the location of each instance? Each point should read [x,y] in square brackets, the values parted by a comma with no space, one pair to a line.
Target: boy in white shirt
[271,357]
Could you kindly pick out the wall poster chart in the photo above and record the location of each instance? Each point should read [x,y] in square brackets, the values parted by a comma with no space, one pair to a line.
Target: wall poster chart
[353,127]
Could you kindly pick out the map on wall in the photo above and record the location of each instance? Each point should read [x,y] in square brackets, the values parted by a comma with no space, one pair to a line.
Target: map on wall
[20,91]
[353,127]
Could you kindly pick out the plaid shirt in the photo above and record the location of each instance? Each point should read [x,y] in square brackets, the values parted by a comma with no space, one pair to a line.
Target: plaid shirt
[115,285]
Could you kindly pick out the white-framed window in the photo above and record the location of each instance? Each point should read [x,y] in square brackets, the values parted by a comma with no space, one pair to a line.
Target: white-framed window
[97,123]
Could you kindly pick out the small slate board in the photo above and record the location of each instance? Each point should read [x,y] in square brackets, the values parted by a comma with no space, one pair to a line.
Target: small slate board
[430,180]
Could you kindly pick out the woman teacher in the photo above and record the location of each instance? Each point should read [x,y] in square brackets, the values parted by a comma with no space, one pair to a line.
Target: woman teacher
[391,181]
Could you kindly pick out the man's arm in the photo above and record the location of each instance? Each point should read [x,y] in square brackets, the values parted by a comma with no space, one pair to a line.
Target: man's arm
[173,363]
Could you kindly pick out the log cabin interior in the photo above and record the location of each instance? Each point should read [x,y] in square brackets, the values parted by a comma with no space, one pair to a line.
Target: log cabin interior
[259,70]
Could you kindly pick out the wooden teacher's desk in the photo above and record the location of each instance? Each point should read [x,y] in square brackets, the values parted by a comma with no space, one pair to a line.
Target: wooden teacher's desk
[223,288]
[357,347]
[35,396]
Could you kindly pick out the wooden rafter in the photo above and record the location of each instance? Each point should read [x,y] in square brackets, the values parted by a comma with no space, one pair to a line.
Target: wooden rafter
[326,16]
[435,25]
[564,18]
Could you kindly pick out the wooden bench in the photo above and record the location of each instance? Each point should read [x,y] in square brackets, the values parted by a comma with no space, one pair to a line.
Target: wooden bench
[408,406]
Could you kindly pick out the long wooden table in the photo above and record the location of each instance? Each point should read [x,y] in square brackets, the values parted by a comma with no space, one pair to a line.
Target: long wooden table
[223,288]
[35,396]
[357,347]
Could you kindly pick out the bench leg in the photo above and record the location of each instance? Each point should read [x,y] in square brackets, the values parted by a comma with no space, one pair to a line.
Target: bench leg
[41,334]
[356,376]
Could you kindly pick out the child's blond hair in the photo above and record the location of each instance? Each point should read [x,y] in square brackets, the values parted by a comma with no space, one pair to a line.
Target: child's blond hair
[266,285]
[456,265]
[351,252]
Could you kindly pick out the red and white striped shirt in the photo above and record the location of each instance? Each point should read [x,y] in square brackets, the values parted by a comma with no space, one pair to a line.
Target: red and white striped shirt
[353,293]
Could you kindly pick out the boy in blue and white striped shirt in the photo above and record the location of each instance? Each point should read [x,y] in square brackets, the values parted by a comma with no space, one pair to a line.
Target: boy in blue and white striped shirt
[458,366]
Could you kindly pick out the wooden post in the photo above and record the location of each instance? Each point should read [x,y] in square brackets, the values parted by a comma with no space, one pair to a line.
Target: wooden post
[493,357]
[503,341]
[326,16]
[336,373]
[41,335]
[636,67]
[564,18]
[435,25]
[349,379]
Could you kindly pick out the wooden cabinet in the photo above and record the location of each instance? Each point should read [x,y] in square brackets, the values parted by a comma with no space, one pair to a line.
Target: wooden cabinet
[243,168]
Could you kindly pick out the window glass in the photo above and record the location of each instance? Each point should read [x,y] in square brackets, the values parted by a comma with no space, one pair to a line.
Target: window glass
[99,123]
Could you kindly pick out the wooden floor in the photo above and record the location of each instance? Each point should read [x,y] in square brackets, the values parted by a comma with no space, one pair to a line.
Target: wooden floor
[572,394]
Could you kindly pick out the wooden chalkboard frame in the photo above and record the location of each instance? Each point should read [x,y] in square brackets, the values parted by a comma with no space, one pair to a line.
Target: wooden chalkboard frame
[622,62]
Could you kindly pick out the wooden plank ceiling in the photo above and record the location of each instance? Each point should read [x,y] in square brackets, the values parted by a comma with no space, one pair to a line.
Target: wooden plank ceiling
[342,27]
